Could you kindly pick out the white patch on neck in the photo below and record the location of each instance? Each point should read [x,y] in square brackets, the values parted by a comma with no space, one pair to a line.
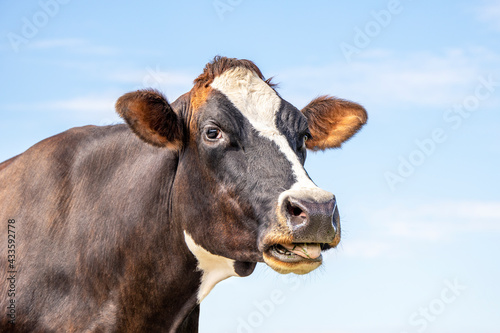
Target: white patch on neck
[259,103]
[214,268]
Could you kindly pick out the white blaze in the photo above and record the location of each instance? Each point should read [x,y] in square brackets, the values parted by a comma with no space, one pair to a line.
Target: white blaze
[259,103]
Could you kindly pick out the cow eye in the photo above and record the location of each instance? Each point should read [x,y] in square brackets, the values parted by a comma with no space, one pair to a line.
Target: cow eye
[213,133]
[302,142]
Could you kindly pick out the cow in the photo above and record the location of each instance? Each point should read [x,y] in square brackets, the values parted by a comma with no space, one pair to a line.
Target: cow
[128,227]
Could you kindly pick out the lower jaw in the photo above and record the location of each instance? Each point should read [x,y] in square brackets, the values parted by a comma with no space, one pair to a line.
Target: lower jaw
[297,267]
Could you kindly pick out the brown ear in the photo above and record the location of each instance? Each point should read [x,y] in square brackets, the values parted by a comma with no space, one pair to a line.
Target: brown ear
[332,121]
[149,115]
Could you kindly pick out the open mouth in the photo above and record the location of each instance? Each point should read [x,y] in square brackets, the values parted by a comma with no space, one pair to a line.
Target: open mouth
[298,258]
[292,253]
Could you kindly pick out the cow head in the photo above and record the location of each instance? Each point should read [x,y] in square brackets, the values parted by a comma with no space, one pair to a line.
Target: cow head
[240,189]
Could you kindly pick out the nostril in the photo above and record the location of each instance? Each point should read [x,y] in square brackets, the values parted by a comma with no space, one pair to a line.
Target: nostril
[297,216]
[296,211]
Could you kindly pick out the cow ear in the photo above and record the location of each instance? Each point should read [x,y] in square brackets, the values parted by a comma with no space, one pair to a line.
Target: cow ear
[149,115]
[332,121]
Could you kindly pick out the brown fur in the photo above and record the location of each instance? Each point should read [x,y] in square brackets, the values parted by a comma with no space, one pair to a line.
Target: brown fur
[199,97]
[332,121]
[221,64]
[4,164]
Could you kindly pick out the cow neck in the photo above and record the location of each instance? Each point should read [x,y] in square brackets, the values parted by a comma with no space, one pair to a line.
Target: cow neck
[179,285]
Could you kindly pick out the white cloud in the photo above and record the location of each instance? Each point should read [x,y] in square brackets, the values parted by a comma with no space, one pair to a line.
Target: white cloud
[76,45]
[440,221]
[394,230]
[393,79]
[100,107]
[55,43]
[93,109]
[150,75]
[81,104]
[98,110]
[489,13]
[173,83]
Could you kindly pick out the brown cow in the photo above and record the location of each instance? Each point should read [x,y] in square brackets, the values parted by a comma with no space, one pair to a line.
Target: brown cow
[127,228]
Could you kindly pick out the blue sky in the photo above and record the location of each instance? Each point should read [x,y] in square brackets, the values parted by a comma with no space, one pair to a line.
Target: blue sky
[418,188]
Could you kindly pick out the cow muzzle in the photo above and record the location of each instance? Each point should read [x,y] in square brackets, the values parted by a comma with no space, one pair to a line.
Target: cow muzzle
[308,224]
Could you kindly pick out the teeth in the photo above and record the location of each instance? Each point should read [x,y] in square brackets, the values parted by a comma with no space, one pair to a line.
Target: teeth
[281,250]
